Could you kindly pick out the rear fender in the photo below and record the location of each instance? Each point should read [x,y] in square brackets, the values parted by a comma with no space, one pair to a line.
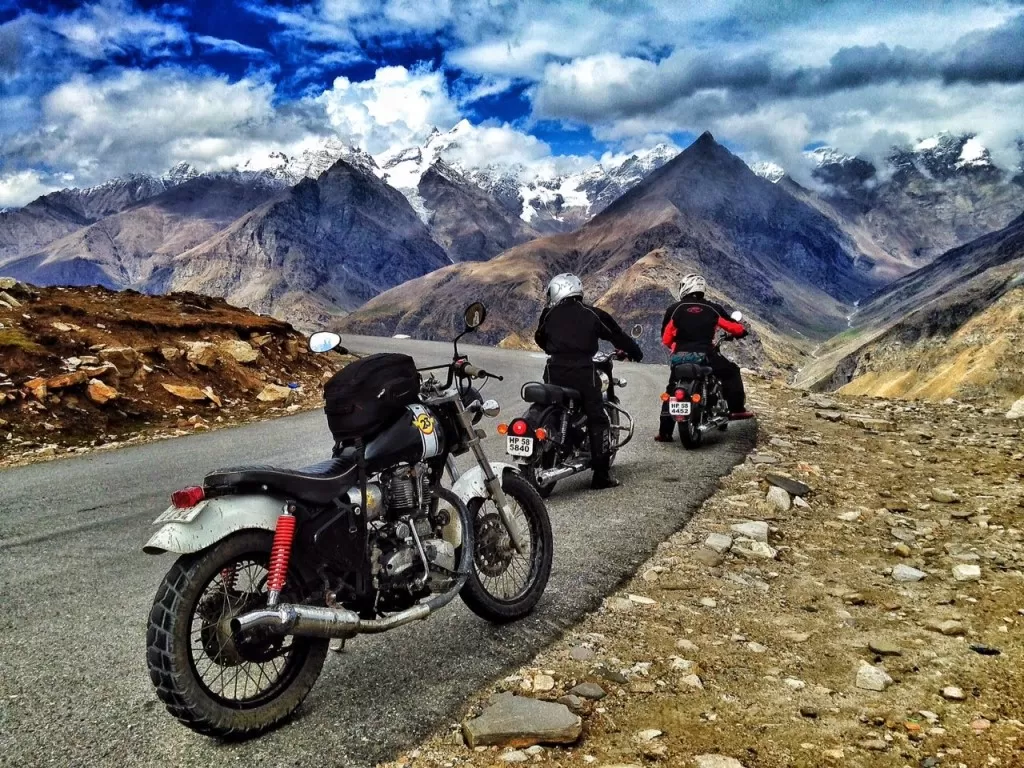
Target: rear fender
[219,518]
[472,484]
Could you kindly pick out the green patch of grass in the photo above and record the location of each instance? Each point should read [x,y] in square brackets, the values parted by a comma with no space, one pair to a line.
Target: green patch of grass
[12,337]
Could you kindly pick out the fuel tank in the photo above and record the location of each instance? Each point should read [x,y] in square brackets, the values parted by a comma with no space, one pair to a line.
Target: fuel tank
[415,436]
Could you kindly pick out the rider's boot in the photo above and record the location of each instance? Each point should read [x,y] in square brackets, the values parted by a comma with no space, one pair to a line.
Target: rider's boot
[602,475]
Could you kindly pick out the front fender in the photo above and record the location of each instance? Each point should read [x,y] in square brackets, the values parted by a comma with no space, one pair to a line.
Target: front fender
[219,518]
[472,484]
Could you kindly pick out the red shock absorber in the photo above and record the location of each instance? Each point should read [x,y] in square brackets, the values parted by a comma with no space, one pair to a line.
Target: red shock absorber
[284,533]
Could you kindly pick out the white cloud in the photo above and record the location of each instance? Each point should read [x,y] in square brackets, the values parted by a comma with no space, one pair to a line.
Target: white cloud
[229,46]
[19,188]
[397,107]
[112,26]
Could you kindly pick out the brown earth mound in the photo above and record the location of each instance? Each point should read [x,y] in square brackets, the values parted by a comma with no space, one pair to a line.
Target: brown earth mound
[84,367]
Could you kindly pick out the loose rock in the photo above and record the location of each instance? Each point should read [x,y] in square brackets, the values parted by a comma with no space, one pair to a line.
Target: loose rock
[904,574]
[100,393]
[718,542]
[752,529]
[966,572]
[778,498]
[872,678]
[521,722]
[789,485]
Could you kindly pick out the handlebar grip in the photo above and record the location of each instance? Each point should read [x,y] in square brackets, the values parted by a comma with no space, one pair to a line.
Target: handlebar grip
[478,373]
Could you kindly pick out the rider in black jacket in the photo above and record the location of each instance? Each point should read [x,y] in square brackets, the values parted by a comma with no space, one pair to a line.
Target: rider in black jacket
[689,327]
[569,331]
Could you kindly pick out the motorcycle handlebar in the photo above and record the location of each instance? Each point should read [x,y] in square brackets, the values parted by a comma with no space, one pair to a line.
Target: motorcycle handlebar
[478,373]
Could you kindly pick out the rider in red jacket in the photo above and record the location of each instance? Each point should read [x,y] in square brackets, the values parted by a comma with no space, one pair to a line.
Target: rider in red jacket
[689,331]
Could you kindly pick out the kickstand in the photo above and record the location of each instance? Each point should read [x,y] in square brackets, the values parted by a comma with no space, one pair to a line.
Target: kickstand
[338,645]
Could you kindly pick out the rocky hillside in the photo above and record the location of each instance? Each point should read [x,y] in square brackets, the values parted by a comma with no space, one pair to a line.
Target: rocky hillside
[953,328]
[325,246]
[82,368]
[26,230]
[779,259]
[123,249]
[464,219]
[850,597]
[941,193]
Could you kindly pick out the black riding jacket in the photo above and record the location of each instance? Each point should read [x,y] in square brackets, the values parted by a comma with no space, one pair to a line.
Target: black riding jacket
[690,324]
[570,332]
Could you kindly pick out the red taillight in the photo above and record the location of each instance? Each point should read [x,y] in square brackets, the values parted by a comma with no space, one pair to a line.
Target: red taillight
[519,427]
[680,395]
[187,497]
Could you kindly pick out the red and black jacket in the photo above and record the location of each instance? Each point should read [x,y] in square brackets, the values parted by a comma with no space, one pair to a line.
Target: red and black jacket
[690,324]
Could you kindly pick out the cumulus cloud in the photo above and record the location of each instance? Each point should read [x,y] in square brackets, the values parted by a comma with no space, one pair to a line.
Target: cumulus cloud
[18,188]
[397,107]
[98,30]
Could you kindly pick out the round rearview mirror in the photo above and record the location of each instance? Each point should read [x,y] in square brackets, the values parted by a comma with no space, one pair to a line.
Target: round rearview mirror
[637,332]
[324,341]
[475,315]
[737,316]
[491,408]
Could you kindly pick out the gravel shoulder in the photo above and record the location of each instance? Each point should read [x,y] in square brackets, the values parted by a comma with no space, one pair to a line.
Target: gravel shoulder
[874,620]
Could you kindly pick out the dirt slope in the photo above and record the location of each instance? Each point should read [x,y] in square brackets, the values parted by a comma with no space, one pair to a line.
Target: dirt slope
[85,367]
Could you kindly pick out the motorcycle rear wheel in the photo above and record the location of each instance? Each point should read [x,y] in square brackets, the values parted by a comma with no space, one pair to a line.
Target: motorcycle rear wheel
[487,592]
[188,665]
[690,434]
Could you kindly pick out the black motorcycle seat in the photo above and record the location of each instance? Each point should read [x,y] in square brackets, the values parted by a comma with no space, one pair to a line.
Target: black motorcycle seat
[318,484]
[690,371]
[548,394]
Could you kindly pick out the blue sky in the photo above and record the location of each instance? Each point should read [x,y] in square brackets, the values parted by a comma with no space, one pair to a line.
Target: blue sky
[89,90]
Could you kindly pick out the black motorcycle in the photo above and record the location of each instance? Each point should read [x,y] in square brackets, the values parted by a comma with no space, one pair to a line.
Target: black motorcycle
[275,563]
[550,441]
[695,398]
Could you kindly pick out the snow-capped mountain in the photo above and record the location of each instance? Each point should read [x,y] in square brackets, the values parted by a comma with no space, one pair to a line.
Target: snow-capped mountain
[542,197]
[769,170]
[311,163]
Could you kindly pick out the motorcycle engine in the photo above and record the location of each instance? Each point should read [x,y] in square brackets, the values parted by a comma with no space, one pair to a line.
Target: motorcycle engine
[410,558]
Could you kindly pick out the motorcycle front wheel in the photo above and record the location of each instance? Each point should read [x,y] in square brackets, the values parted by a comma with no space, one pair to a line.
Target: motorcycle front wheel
[211,680]
[505,585]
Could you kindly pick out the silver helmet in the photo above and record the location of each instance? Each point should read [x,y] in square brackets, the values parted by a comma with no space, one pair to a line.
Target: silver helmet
[563,287]
[691,284]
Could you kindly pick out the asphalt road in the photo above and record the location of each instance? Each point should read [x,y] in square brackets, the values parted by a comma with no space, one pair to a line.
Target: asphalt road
[75,590]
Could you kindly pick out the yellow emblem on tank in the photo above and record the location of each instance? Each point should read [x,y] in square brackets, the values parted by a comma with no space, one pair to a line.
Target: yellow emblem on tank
[424,424]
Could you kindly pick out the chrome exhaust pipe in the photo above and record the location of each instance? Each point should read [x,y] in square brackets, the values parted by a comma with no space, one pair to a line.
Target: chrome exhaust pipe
[546,476]
[713,424]
[320,621]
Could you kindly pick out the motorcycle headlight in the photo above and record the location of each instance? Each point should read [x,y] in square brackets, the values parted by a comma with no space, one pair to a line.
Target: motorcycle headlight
[604,380]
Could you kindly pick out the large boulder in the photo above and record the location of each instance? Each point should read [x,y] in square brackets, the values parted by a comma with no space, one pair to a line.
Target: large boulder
[239,351]
[201,354]
[125,359]
[100,393]
[518,721]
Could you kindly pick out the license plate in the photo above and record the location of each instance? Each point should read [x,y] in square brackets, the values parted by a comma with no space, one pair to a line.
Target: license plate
[175,515]
[519,446]
[677,408]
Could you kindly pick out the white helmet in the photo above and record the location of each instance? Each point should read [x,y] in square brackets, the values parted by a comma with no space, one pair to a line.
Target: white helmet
[691,284]
[563,287]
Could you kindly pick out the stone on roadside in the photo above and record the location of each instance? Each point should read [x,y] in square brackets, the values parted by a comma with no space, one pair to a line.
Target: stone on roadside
[66,380]
[716,761]
[239,351]
[186,392]
[868,423]
[966,572]
[952,693]
[779,498]
[788,484]
[883,647]
[202,354]
[709,557]
[718,542]
[756,530]
[273,393]
[591,691]
[709,602]
[618,604]
[516,721]
[1016,410]
[872,678]
[905,574]
[755,550]
[944,496]
[581,653]
[948,627]
[543,683]
[514,756]
[124,358]
[100,393]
